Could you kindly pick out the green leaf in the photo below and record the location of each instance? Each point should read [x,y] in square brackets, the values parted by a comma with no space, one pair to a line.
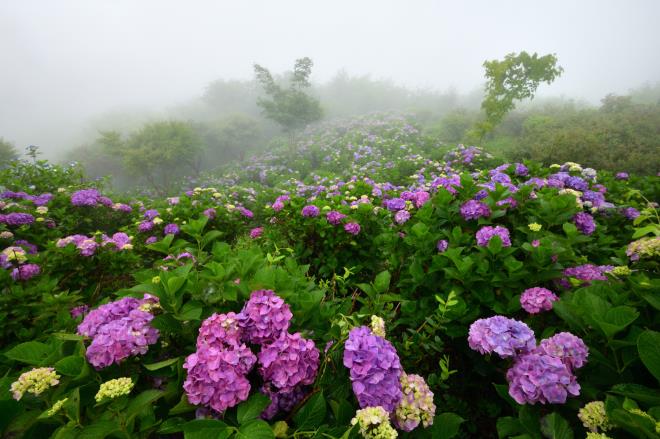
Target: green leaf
[8,410]
[32,352]
[161,364]
[616,319]
[182,406]
[210,237]
[174,284]
[252,408]
[648,346]
[206,429]
[446,425]
[382,282]
[637,392]
[99,430]
[312,414]
[554,426]
[145,398]
[256,429]
[70,366]
[495,245]
[420,229]
[190,311]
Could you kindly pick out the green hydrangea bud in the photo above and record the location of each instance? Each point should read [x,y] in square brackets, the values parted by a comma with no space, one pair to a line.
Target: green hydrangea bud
[374,423]
[280,428]
[35,381]
[378,326]
[594,417]
[56,407]
[114,389]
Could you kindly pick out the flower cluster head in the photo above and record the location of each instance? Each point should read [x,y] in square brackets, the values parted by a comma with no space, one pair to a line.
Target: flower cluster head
[86,245]
[592,435]
[378,326]
[114,389]
[537,377]
[630,213]
[537,299]
[210,213]
[402,216]
[334,217]
[506,337]
[289,362]
[486,233]
[648,247]
[264,317]
[219,330]
[442,245]
[86,197]
[119,330]
[16,219]
[256,232]
[352,228]
[594,417]
[35,381]
[570,349]
[119,241]
[375,369]
[310,211]
[171,229]
[416,405]
[534,227]
[281,400]
[473,209]
[586,273]
[25,272]
[374,423]
[621,176]
[585,223]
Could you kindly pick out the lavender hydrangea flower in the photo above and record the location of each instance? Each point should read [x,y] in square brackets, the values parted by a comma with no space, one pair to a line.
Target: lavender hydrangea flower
[586,273]
[622,176]
[281,400]
[401,217]
[220,330]
[442,245]
[17,219]
[119,240]
[145,226]
[630,213]
[256,232]
[486,233]
[25,272]
[288,362]
[506,337]
[264,317]
[541,378]
[352,228]
[334,217]
[395,204]
[473,209]
[171,229]
[585,223]
[537,299]
[151,240]
[310,211]
[151,214]
[79,311]
[521,170]
[416,405]
[209,213]
[375,369]
[421,197]
[85,197]
[569,348]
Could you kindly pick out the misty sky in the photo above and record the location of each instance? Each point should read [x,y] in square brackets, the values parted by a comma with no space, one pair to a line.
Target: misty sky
[64,62]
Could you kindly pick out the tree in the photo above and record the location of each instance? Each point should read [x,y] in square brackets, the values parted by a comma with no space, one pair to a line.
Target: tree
[514,78]
[7,152]
[290,107]
[160,152]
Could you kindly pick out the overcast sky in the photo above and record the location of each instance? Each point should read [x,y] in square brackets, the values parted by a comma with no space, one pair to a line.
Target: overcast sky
[64,62]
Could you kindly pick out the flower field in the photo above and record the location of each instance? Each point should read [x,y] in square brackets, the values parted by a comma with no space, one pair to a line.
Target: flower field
[364,281]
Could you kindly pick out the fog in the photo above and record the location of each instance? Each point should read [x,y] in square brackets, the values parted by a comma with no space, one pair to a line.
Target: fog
[66,64]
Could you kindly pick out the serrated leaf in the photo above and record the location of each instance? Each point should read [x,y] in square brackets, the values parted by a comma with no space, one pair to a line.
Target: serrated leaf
[206,429]
[648,346]
[70,366]
[256,429]
[252,408]
[161,364]
[312,413]
[99,430]
[31,352]
[446,425]
[554,426]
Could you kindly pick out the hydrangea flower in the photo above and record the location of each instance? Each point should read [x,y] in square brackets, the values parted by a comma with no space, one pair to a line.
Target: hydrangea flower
[473,209]
[586,273]
[352,228]
[401,217]
[85,197]
[486,233]
[644,248]
[264,317]
[536,377]
[334,217]
[375,369]
[378,326]
[219,330]
[534,227]
[25,272]
[281,400]
[256,232]
[114,389]
[594,417]
[395,204]
[622,176]
[537,299]
[442,245]
[289,361]
[151,214]
[506,337]
[119,240]
[374,423]
[569,348]
[209,213]
[17,219]
[585,223]
[35,381]
[171,229]
[416,405]
[310,211]
[630,213]
[145,226]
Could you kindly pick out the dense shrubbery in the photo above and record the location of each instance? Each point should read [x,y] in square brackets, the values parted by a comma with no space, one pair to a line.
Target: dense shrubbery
[334,288]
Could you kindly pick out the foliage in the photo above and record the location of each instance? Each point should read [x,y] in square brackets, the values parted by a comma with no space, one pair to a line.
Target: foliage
[8,152]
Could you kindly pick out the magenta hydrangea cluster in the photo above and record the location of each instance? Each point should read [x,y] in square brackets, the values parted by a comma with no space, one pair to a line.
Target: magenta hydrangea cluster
[375,369]
[264,317]
[25,272]
[16,219]
[537,299]
[506,337]
[585,223]
[310,211]
[352,228]
[586,273]
[569,348]
[486,233]
[334,217]
[119,330]
[538,377]
[473,209]
[90,198]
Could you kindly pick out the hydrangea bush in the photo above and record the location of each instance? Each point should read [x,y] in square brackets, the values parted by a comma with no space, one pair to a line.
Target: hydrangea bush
[365,281]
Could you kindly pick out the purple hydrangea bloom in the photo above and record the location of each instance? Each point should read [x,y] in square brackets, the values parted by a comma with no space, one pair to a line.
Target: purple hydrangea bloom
[122,207]
[288,362]
[151,240]
[576,183]
[17,219]
[29,247]
[537,299]
[630,213]
[586,273]
[569,348]
[395,204]
[145,226]
[442,245]
[541,378]
[256,232]
[375,369]
[281,400]
[473,209]
[85,197]
[334,217]
[119,240]
[506,337]
[521,170]
[25,272]
[150,214]
[79,311]
[264,317]
[220,330]
[310,211]
[585,223]
[401,216]
[210,213]
[622,176]
[421,197]
[352,228]
[171,229]
[245,212]
[485,234]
